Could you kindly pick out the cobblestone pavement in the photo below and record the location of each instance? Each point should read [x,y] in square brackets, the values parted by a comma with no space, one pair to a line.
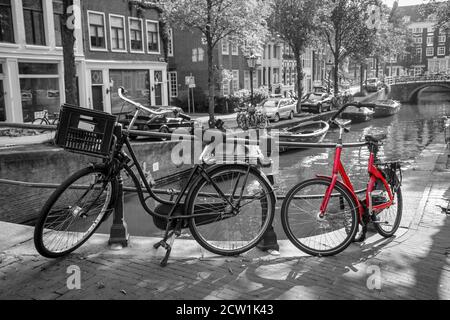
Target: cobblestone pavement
[414,265]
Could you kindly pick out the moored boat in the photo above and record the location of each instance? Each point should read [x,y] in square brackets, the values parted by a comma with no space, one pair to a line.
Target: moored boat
[358,115]
[308,132]
[386,108]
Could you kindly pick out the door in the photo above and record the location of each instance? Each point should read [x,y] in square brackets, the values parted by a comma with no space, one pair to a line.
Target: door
[97,97]
[2,102]
[158,88]
[97,90]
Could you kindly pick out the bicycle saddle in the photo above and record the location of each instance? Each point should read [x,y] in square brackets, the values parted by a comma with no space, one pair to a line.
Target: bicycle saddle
[376,137]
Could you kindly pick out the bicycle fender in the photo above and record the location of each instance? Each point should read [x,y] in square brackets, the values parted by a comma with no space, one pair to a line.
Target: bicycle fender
[244,166]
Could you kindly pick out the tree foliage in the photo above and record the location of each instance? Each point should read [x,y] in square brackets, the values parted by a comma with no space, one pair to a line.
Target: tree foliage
[243,21]
[440,10]
[296,23]
[345,29]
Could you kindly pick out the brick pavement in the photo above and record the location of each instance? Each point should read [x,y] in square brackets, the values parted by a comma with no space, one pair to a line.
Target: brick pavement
[414,265]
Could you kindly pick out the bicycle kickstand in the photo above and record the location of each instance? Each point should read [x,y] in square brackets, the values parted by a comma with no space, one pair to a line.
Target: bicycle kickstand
[167,243]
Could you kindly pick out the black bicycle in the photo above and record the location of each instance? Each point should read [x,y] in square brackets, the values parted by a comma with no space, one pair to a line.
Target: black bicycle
[227,207]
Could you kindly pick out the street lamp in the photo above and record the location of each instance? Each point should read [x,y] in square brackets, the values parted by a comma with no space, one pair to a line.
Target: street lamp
[253,63]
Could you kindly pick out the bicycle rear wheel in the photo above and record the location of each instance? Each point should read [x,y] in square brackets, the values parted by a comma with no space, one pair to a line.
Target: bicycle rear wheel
[300,217]
[74,212]
[226,231]
[390,218]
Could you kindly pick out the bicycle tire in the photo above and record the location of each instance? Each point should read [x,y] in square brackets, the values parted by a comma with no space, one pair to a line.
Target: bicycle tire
[40,122]
[208,232]
[52,214]
[398,217]
[350,230]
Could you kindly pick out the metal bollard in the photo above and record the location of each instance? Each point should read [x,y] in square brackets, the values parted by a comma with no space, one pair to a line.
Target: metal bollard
[269,240]
[119,231]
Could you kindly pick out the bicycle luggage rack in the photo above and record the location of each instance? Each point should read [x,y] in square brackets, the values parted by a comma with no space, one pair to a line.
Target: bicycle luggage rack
[121,227]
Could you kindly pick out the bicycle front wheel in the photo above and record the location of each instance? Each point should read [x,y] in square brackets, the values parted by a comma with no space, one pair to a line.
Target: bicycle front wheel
[74,212]
[311,233]
[240,207]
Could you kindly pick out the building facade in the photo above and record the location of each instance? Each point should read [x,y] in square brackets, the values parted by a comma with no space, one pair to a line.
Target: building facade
[116,45]
[431,51]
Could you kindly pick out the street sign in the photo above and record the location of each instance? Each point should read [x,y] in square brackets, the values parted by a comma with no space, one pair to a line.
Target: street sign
[190,82]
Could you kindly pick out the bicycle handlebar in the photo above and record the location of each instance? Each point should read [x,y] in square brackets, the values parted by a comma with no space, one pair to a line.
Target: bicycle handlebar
[121,92]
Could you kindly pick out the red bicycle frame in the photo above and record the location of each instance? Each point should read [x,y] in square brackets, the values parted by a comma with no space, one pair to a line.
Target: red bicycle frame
[374,173]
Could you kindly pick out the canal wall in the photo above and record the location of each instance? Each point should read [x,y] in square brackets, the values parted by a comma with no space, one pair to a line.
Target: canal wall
[47,164]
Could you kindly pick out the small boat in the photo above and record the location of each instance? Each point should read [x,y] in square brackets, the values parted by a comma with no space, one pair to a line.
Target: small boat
[358,115]
[386,108]
[308,132]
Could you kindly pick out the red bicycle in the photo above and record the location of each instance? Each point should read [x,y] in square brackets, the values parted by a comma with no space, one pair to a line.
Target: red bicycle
[322,216]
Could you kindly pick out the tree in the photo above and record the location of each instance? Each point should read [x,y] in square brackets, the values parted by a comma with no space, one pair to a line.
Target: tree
[68,42]
[345,29]
[296,23]
[242,20]
[440,10]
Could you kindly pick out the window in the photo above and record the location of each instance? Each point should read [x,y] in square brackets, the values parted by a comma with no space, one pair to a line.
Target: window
[225,47]
[117,32]
[430,41]
[97,31]
[418,40]
[198,55]
[173,78]
[234,49]
[137,83]
[441,51]
[33,15]
[275,52]
[6,22]
[136,35]
[419,53]
[235,80]
[246,79]
[58,21]
[39,86]
[442,39]
[430,52]
[152,37]
[170,43]
[418,30]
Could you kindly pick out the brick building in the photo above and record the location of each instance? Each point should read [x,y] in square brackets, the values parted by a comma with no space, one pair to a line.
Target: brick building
[431,52]
[116,45]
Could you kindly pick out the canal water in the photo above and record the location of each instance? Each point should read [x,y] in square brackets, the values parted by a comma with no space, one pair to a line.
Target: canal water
[409,132]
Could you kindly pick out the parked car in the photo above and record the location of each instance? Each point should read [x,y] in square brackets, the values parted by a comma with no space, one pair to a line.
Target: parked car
[171,120]
[277,108]
[373,85]
[316,102]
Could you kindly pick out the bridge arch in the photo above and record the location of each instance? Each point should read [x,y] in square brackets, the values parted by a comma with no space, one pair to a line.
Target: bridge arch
[415,93]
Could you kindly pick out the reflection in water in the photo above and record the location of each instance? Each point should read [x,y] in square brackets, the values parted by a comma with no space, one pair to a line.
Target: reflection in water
[409,132]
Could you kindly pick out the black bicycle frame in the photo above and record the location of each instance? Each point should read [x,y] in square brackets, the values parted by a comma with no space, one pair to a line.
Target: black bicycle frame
[196,171]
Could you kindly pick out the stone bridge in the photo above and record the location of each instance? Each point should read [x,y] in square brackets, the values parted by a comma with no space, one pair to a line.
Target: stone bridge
[407,89]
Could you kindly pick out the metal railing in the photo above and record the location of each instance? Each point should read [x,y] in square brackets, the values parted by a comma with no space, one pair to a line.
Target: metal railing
[417,79]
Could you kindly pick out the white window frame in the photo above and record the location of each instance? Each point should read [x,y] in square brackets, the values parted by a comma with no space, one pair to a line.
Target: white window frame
[226,88]
[170,51]
[234,49]
[225,44]
[111,15]
[142,34]
[147,21]
[439,51]
[171,73]
[419,40]
[235,84]
[104,30]
[432,52]
[430,43]
[442,38]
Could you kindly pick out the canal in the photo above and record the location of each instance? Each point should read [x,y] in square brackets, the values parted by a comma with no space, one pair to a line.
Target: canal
[409,132]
